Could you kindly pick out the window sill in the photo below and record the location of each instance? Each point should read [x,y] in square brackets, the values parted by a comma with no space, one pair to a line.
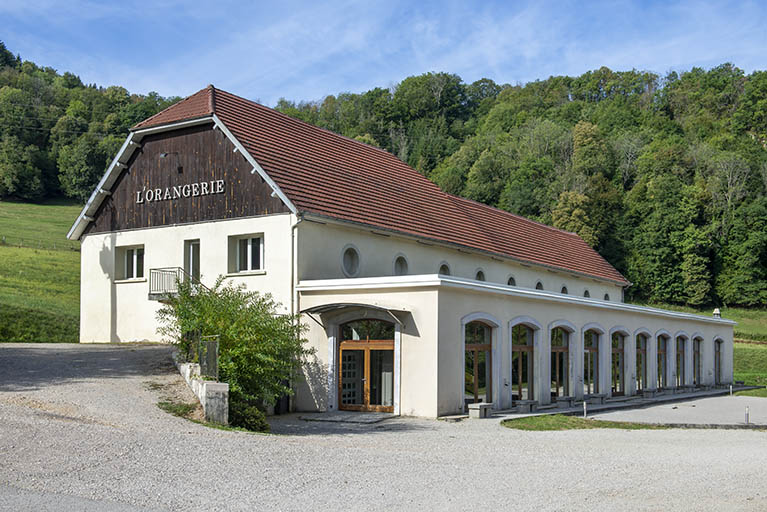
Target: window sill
[132,280]
[246,273]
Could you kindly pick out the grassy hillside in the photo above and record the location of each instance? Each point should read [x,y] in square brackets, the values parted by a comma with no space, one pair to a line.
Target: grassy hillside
[39,288]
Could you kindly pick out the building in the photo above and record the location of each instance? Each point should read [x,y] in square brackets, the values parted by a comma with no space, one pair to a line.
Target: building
[417,302]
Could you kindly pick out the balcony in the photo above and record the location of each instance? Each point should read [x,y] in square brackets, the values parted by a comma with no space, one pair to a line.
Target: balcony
[163,282]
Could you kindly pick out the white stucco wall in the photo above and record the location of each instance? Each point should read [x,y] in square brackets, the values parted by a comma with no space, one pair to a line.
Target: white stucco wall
[321,246]
[432,350]
[116,311]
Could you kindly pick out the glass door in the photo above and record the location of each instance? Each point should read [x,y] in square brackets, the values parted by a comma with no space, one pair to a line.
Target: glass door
[192,258]
[366,373]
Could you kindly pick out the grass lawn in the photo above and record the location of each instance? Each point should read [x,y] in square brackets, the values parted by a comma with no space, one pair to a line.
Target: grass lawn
[561,422]
[39,288]
[750,363]
[752,323]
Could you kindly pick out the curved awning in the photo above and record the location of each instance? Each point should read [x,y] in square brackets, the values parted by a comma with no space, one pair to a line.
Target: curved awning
[340,306]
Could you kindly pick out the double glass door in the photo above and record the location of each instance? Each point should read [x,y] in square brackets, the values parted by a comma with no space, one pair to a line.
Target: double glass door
[366,372]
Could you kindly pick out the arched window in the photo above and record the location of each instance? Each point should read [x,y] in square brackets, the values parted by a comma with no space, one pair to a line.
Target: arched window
[560,362]
[681,341]
[696,344]
[480,276]
[511,281]
[662,347]
[591,362]
[617,362]
[641,362]
[400,266]
[539,285]
[564,290]
[586,294]
[607,296]
[478,363]
[718,362]
[522,350]
[444,269]
[351,261]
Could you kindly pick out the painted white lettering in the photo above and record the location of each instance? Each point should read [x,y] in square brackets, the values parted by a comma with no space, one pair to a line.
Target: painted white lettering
[219,186]
[195,189]
[167,194]
[139,199]
[158,194]
[176,191]
[186,190]
[204,188]
[149,194]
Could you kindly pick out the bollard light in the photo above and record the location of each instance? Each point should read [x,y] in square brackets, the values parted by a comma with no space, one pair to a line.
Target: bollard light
[584,408]
[746,415]
[730,389]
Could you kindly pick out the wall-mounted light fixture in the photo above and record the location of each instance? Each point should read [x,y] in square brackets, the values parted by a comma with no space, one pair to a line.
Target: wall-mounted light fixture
[179,167]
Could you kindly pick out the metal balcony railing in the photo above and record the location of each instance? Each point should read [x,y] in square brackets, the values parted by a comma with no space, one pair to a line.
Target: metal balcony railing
[163,282]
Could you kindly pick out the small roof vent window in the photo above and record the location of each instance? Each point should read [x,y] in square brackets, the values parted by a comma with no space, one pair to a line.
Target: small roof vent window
[480,275]
[351,261]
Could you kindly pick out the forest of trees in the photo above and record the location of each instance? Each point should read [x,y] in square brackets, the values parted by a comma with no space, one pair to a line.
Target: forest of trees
[665,176]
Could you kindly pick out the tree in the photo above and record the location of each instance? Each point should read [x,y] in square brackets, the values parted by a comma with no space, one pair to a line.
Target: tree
[570,214]
[82,164]
[20,170]
[261,350]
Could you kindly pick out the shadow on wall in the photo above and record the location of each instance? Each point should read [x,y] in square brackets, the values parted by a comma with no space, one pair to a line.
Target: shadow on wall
[107,263]
[315,382]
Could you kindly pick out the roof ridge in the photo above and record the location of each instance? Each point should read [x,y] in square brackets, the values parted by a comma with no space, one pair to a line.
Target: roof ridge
[314,127]
[176,105]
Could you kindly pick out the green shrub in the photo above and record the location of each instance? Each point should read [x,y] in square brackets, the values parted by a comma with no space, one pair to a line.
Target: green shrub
[246,415]
[260,350]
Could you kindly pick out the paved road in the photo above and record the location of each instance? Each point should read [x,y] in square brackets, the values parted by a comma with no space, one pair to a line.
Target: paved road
[79,430]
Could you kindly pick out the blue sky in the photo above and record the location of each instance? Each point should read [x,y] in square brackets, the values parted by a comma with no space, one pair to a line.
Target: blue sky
[307,50]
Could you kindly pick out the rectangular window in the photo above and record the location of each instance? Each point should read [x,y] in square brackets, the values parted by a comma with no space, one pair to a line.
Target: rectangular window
[248,252]
[130,262]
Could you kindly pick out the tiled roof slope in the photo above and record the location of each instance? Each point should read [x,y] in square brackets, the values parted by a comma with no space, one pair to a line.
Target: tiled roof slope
[330,175]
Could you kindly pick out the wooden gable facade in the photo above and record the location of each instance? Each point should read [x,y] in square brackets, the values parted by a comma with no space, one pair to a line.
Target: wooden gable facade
[187,175]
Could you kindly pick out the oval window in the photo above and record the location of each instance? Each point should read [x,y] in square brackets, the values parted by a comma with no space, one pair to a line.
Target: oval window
[351,261]
[400,266]
[480,276]
[444,269]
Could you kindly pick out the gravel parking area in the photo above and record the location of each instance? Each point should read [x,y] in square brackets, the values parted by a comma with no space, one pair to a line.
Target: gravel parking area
[80,430]
[723,410]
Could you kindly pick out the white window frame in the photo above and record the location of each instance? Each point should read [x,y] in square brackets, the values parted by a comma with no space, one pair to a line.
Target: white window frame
[249,257]
[127,253]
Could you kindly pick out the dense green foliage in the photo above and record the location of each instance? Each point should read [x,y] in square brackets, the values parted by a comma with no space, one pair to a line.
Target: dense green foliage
[750,365]
[260,350]
[39,288]
[665,177]
[57,135]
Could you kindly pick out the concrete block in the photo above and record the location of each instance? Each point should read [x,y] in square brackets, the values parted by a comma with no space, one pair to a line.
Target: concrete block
[565,402]
[216,404]
[525,406]
[480,410]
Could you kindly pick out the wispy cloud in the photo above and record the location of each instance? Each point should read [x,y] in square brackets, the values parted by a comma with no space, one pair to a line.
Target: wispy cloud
[306,50]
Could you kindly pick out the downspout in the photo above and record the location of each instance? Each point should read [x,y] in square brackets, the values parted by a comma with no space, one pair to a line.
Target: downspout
[294,301]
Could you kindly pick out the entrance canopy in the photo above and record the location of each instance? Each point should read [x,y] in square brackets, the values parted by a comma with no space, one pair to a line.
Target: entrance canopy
[341,306]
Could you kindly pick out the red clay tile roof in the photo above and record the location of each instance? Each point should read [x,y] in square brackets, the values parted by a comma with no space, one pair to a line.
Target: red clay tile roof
[326,174]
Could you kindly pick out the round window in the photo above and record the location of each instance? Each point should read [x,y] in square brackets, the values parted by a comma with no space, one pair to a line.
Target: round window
[400,266]
[444,269]
[351,262]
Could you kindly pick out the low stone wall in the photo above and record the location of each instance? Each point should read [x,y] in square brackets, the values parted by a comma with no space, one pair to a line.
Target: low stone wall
[213,396]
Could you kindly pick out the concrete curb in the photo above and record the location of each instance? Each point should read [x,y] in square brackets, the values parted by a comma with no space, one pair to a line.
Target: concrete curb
[213,396]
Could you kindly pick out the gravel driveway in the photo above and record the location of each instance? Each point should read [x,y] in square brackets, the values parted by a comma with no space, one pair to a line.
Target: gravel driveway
[80,430]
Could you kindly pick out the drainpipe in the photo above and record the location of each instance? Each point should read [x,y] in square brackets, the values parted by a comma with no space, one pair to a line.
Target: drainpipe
[294,302]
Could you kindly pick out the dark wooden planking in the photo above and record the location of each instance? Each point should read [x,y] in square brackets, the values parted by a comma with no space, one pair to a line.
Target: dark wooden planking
[205,155]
